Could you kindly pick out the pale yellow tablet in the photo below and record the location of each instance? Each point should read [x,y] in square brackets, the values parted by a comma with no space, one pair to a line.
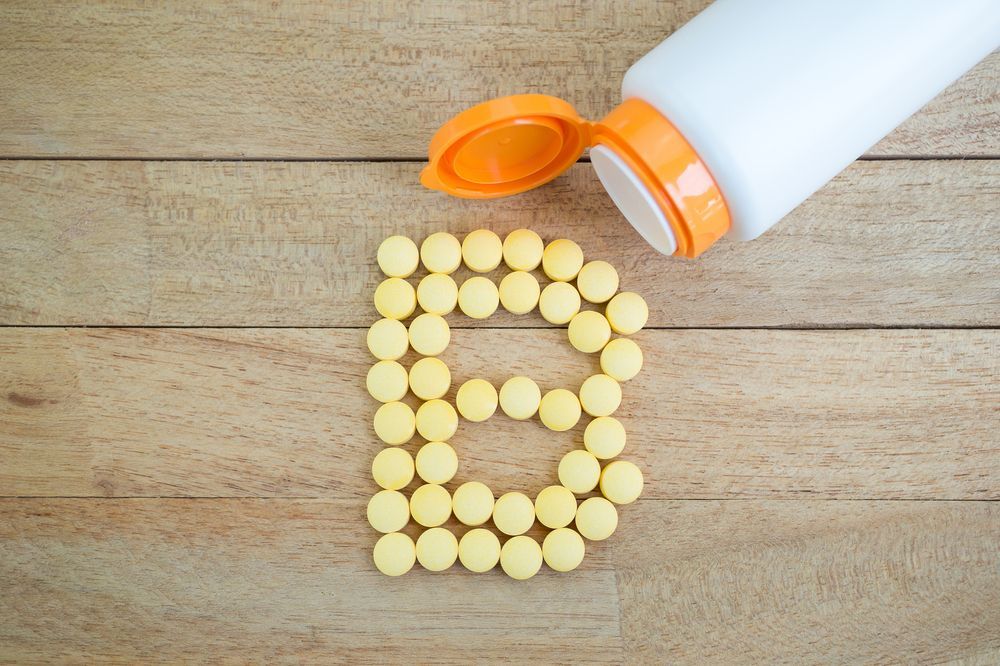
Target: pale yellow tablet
[555,506]
[589,331]
[472,503]
[482,251]
[478,297]
[429,378]
[559,410]
[522,250]
[621,482]
[437,549]
[559,302]
[436,421]
[627,312]
[395,298]
[386,381]
[519,292]
[441,253]
[398,256]
[476,400]
[563,549]
[604,437]
[513,513]
[395,423]
[519,398]
[437,293]
[479,550]
[600,395]
[621,359]
[388,511]
[521,557]
[579,471]
[393,468]
[562,260]
[429,334]
[596,518]
[387,339]
[436,462]
[430,505]
[394,554]
[597,281]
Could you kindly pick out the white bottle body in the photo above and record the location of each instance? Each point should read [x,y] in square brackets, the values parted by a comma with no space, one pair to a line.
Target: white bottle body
[779,96]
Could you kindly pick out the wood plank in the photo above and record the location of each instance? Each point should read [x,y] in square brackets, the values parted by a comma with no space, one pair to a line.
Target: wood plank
[262,79]
[180,243]
[284,412]
[726,582]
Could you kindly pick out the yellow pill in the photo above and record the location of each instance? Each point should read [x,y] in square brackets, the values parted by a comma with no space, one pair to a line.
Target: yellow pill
[559,302]
[429,334]
[519,398]
[482,250]
[394,423]
[437,549]
[563,549]
[562,260]
[387,339]
[472,503]
[621,482]
[479,550]
[604,437]
[436,421]
[388,511]
[555,506]
[395,298]
[385,383]
[519,292]
[588,332]
[559,410]
[597,281]
[521,557]
[621,359]
[513,513]
[476,400]
[398,256]
[522,250]
[437,462]
[430,505]
[393,468]
[478,297]
[579,471]
[441,253]
[627,312]
[600,395]
[596,518]
[437,293]
[394,554]
[429,378]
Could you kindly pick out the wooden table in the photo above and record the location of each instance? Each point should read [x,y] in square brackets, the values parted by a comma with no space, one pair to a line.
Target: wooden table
[191,195]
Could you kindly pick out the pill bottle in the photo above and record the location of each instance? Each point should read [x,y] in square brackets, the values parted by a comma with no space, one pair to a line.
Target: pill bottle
[733,120]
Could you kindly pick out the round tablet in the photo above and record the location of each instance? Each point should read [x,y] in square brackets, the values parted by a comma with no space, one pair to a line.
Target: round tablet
[476,400]
[393,468]
[398,256]
[429,334]
[387,339]
[437,293]
[482,250]
[621,359]
[388,511]
[519,398]
[513,513]
[621,482]
[562,549]
[437,549]
[386,381]
[441,253]
[472,503]
[519,292]
[597,281]
[430,505]
[478,297]
[394,554]
[479,550]
[596,518]
[394,423]
[395,298]
[600,395]
[559,410]
[604,437]
[436,421]
[437,462]
[555,506]
[429,378]
[588,331]
[559,302]
[579,471]
[562,260]
[522,250]
[521,557]
[627,312]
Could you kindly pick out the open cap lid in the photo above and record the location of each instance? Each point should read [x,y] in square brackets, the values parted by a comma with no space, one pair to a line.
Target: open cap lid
[505,146]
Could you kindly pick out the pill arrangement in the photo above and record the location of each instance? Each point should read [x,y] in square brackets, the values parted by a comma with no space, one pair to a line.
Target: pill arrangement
[435,420]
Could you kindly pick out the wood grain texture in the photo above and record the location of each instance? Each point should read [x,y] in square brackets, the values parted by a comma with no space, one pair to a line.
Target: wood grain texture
[257,78]
[293,244]
[682,582]
[217,412]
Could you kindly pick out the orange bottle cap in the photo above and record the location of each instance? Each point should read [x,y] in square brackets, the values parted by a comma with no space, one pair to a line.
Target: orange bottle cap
[511,144]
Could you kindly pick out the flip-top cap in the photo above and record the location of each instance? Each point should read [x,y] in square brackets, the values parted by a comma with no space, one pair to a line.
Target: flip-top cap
[505,146]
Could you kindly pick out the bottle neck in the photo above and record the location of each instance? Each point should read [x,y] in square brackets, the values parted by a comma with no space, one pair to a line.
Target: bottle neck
[657,180]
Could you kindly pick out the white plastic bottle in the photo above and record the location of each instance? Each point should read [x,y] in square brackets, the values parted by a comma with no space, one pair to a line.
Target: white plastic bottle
[733,120]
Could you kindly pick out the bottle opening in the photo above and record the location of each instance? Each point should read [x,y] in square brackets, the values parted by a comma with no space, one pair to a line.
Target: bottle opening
[633,199]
